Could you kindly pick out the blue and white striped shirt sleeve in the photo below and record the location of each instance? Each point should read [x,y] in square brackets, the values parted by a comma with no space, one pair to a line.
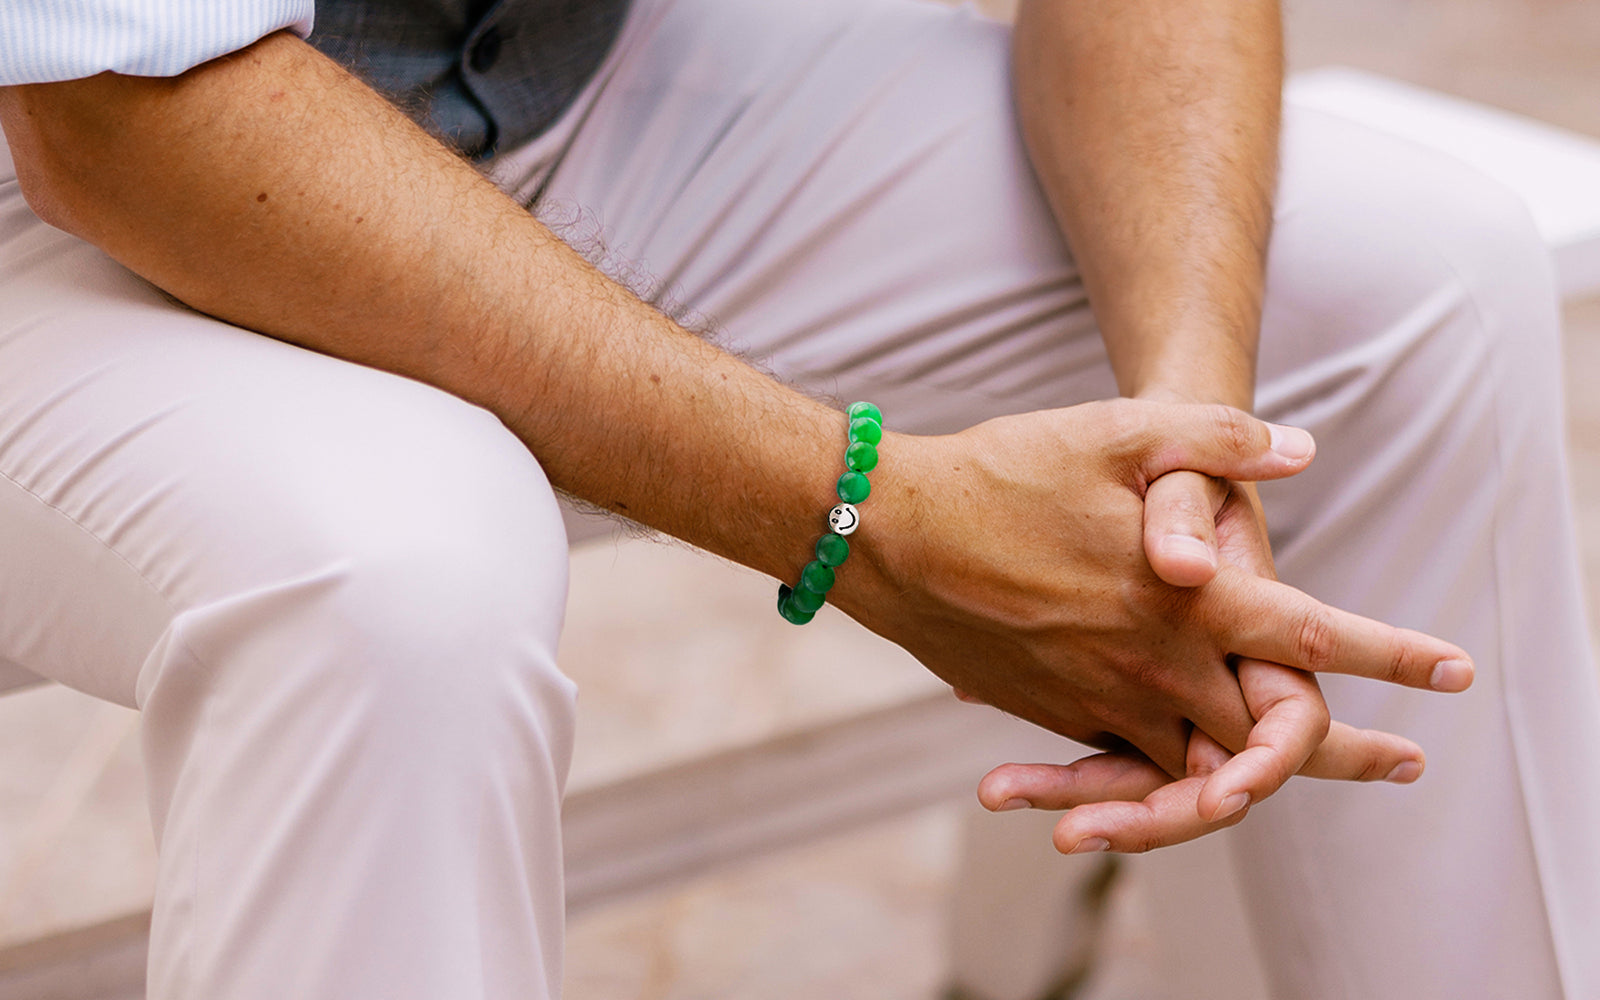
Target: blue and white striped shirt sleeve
[47,40]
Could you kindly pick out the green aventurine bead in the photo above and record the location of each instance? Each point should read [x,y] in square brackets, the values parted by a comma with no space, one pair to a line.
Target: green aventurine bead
[853,487]
[866,429]
[807,601]
[861,457]
[832,550]
[788,609]
[865,410]
[816,578]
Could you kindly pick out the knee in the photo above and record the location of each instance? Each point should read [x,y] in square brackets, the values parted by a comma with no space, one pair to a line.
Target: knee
[1388,256]
[442,647]
[403,605]
[450,623]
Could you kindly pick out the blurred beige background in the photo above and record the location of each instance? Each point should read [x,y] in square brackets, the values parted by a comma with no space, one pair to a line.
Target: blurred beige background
[862,915]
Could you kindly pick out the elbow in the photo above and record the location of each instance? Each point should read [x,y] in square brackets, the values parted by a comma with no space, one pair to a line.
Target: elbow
[48,200]
[43,152]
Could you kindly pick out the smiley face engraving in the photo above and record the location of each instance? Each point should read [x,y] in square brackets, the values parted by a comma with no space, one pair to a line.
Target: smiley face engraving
[844,518]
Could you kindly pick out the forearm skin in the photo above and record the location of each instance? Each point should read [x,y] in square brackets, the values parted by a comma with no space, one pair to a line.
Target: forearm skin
[1153,126]
[273,190]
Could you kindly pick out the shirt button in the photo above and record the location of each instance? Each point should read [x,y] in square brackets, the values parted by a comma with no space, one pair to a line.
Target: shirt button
[485,51]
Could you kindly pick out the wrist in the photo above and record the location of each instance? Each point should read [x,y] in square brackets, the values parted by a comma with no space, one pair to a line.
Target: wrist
[1203,384]
[798,603]
[886,549]
[1197,395]
[1189,364]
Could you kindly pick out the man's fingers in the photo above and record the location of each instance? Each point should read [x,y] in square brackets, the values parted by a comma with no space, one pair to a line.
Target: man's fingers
[1214,440]
[1123,802]
[1180,527]
[1295,736]
[1166,816]
[1118,802]
[1292,720]
[1350,754]
[1272,621]
[1098,778]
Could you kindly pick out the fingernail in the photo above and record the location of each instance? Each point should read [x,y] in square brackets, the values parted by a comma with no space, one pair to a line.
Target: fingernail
[1291,442]
[1011,805]
[1405,772]
[1091,845]
[1451,675]
[1189,547]
[1231,805]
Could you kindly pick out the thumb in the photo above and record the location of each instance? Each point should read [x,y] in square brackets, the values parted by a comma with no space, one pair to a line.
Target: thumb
[1217,441]
[1180,528]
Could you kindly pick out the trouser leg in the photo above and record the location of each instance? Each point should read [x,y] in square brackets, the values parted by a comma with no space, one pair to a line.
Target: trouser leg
[1415,330]
[840,189]
[334,593]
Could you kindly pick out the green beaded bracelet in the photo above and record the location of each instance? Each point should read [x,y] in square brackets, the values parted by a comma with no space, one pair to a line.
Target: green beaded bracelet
[800,603]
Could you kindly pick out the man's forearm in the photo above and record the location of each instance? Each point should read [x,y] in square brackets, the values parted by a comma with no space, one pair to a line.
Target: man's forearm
[274,191]
[1154,126]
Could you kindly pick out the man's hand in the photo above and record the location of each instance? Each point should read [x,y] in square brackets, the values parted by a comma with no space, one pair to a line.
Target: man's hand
[1192,523]
[1153,128]
[1008,557]
[1027,584]
[1122,801]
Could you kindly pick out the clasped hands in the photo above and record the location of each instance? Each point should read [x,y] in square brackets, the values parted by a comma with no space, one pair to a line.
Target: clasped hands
[1103,571]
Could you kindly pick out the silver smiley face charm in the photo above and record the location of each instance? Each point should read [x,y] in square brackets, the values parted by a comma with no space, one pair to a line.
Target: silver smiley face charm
[844,518]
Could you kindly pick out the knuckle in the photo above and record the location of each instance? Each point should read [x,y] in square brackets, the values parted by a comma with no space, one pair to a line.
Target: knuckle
[1373,767]
[1124,425]
[1397,660]
[1316,640]
[1184,503]
[1320,721]
[1315,718]
[1235,430]
[1158,693]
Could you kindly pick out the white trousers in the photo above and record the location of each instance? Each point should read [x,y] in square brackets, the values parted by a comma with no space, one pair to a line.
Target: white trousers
[336,594]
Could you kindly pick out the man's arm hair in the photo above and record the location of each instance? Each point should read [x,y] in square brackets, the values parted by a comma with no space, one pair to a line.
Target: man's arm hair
[1153,126]
[273,190]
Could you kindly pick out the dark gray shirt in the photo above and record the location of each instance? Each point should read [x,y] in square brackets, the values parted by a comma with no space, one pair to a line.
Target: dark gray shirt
[484,75]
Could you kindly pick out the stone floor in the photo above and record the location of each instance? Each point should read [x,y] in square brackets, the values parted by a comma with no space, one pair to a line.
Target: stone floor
[862,915]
